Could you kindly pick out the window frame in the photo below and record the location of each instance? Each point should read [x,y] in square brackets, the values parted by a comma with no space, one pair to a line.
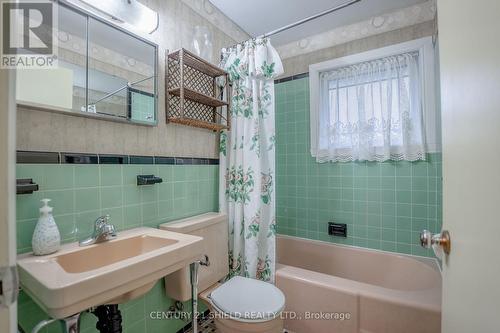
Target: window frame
[427,65]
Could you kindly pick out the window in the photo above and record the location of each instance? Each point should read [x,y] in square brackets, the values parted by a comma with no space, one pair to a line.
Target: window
[374,106]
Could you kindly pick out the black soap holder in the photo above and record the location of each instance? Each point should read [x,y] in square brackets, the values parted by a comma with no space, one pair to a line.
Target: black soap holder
[337,229]
[148,180]
[26,186]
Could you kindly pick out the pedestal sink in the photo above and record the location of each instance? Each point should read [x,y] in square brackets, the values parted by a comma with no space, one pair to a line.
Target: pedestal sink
[77,278]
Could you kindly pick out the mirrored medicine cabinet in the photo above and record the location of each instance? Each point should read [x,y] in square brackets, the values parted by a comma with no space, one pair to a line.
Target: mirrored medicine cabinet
[103,71]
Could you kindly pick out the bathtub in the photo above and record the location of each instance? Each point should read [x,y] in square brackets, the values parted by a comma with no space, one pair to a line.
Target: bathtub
[333,288]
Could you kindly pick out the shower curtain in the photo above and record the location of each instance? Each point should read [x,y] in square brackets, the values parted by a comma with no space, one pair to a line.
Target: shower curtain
[247,161]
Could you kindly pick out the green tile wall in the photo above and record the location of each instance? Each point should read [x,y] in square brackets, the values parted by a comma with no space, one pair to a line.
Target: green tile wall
[385,205]
[81,193]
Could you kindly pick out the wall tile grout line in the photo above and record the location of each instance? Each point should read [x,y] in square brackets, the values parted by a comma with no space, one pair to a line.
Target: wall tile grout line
[383,207]
[81,193]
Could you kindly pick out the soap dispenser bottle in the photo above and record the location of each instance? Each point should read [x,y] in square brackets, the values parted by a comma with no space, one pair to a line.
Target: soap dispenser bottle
[46,237]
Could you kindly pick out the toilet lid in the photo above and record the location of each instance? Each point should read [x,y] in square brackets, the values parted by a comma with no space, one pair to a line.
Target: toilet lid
[247,299]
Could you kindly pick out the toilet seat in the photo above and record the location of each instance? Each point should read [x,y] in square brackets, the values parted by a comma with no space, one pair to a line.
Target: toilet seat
[248,300]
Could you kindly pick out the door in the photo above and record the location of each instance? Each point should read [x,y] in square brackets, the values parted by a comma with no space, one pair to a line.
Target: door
[469,36]
[8,312]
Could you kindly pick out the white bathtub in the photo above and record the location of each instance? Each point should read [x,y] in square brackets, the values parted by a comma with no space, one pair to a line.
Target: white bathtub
[380,292]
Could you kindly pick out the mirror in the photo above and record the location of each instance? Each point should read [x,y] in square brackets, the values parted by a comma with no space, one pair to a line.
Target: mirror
[102,72]
[121,74]
[61,88]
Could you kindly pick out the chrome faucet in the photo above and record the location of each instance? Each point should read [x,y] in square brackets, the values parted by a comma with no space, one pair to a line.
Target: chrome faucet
[103,231]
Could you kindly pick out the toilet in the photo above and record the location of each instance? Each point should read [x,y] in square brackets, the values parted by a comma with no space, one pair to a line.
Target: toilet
[240,304]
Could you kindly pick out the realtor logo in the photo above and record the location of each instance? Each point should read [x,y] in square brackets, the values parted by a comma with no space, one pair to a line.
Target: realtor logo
[28,34]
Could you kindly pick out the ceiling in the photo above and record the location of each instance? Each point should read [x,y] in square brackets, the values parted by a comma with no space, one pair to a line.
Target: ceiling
[258,17]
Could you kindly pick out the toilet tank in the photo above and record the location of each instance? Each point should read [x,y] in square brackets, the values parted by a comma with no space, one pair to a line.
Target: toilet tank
[213,227]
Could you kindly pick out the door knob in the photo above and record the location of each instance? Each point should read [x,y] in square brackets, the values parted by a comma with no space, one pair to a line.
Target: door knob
[427,240]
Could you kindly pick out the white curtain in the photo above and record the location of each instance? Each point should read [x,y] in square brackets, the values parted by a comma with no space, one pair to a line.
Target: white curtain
[371,111]
[247,161]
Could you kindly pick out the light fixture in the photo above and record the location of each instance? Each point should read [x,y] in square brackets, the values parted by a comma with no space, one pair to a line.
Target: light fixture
[131,12]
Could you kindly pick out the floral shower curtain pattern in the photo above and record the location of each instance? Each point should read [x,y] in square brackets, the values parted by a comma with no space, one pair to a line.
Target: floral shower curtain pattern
[247,161]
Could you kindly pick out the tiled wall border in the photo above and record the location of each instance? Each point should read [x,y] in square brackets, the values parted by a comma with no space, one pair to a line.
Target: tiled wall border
[38,157]
[293,77]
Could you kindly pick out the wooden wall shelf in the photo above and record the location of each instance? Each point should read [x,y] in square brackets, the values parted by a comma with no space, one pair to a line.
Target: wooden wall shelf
[197,63]
[198,97]
[194,90]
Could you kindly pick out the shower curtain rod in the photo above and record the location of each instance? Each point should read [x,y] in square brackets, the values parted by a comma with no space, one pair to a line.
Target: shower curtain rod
[307,19]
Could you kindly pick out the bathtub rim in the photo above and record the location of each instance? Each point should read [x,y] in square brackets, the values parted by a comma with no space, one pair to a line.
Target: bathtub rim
[421,299]
[431,262]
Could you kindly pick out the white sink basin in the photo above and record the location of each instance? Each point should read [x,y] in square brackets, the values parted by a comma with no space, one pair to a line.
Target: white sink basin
[77,278]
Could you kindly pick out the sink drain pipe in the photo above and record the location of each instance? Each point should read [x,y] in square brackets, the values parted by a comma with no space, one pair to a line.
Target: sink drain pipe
[109,321]
[109,318]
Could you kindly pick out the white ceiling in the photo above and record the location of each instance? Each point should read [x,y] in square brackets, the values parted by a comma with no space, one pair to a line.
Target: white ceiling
[258,17]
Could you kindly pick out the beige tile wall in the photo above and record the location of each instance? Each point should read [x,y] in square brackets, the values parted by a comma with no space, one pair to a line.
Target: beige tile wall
[47,131]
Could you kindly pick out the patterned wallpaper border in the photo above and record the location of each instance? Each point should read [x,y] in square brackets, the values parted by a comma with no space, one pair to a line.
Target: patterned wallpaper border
[398,19]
